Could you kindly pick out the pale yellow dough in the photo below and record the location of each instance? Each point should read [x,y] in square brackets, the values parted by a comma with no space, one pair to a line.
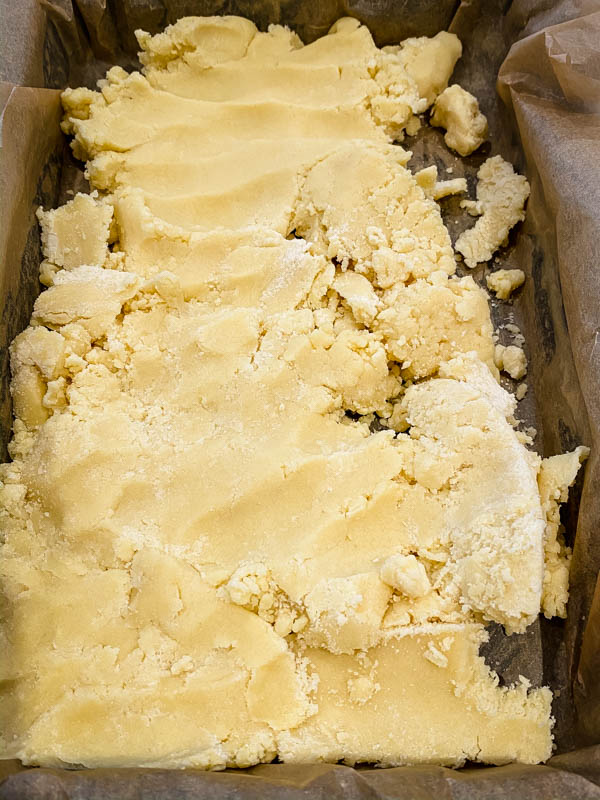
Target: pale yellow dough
[512,360]
[500,204]
[505,281]
[458,112]
[210,558]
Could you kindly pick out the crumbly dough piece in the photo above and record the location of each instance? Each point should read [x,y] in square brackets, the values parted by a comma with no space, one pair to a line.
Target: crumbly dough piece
[521,391]
[505,281]
[458,112]
[77,233]
[501,197]
[212,555]
[512,360]
[423,325]
[555,477]
[427,179]
[406,574]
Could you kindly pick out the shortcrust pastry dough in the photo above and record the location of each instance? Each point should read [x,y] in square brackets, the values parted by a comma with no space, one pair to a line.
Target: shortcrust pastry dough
[266,489]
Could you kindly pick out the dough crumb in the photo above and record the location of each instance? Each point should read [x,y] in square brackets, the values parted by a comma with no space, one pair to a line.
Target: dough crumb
[458,111]
[555,476]
[505,281]
[427,179]
[511,360]
[77,233]
[501,197]
[446,188]
[521,391]
[413,126]
[406,575]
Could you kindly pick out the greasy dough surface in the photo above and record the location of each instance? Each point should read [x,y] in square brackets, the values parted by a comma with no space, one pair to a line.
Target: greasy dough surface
[266,489]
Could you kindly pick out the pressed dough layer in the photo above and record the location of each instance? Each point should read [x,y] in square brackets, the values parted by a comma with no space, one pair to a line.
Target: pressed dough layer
[266,490]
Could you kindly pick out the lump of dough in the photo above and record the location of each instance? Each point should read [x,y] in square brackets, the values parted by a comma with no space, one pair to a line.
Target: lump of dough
[212,39]
[501,196]
[512,360]
[77,233]
[408,77]
[424,325]
[464,440]
[521,391]
[427,179]
[430,62]
[458,111]
[354,366]
[555,476]
[446,188]
[505,281]
[41,348]
[28,388]
[89,295]
[405,574]
[37,357]
[470,368]
[359,294]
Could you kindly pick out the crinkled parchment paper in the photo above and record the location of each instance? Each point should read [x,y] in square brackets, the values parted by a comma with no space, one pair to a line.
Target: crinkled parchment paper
[545,57]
